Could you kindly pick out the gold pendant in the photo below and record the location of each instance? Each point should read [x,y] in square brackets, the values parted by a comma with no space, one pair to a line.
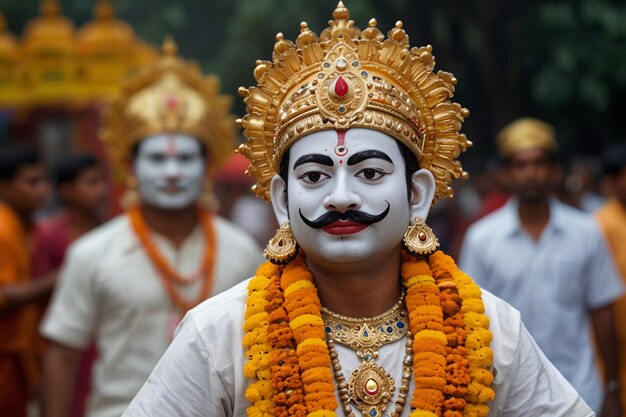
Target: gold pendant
[370,388]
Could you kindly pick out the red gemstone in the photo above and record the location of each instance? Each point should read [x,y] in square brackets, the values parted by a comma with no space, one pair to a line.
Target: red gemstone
[341,87]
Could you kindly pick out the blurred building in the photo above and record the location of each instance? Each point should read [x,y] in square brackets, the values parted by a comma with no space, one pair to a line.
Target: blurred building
[55,78]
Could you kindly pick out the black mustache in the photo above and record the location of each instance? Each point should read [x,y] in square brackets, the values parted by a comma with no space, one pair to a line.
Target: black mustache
[352,215]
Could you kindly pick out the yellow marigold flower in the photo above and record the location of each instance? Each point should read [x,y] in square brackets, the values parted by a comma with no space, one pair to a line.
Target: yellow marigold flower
[482,357]
[322,413]
[306,319]
[418,279]
[298,285]
[255,320]
[475,320]
[312,342]
[476,410]
[478,338]
[268,269]
[422,413]
[257,283]
[473,305]
[482,376]
[432,334]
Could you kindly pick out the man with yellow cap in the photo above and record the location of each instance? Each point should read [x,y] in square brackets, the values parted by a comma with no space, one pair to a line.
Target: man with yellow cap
[127,284]
[550,262]
[352,136]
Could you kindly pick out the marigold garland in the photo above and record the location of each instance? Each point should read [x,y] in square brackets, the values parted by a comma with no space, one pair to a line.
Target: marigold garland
[168,275]
[288,356]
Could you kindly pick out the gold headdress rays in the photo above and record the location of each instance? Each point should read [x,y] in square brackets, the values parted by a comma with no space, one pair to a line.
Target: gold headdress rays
[171,96]
[351,78]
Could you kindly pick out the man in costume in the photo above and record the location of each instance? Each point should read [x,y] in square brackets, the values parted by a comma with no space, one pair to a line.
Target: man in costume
[23,190]
[552,264]
[612,219]
[127,284]
[352,136]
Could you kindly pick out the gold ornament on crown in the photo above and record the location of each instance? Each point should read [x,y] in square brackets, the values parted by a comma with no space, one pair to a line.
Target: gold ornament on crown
[171,96]
[349,78]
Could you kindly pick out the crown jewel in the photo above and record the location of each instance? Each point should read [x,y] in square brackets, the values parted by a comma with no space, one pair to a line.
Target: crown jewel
[351,78]
[171,96]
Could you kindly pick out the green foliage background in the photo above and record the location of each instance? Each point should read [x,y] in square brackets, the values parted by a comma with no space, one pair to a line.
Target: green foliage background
[563,61]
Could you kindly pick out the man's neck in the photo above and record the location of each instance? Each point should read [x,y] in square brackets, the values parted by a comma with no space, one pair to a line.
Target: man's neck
[175,225]
[365,289]
[534,216]
[80,221]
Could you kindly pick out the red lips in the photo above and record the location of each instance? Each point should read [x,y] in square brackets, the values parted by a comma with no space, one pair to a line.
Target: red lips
[344,228]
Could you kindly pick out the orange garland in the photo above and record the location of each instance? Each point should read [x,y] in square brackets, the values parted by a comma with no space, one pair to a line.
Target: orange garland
[451,342]
[168,275]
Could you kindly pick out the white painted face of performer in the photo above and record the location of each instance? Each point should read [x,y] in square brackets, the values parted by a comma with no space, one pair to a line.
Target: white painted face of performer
[347,199]
[170,170]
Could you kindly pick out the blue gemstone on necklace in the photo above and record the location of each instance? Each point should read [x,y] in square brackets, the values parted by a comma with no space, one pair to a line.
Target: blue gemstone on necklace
[367,357]
[339,327]
[400,325]
[366,334]
[328,329]
[389,329]
[373,413]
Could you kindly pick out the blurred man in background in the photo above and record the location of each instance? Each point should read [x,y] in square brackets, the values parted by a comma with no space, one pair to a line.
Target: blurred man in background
[550,262]
[128,283]
[81,186]
[612,219]
[23,190]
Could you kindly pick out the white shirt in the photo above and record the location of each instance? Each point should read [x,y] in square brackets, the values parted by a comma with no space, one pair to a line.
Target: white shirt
[201,373]
[110,292]
[553,282]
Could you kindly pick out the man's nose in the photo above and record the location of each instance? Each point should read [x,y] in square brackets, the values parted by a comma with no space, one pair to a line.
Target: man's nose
[343,197]
[171,169]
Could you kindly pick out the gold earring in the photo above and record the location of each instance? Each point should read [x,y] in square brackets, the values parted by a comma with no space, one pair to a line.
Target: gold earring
[419,239]
[283,247]
[130,197]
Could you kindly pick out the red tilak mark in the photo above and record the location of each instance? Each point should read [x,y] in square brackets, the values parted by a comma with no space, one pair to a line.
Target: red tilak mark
[171,103]
[341,161]
[341,87]
[340,149]
[341,137]
[171,146]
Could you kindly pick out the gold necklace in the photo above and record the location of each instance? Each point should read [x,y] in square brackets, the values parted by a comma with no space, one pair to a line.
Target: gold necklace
[371,387]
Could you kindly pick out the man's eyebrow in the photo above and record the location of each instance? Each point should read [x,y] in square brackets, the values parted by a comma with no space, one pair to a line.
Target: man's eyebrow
[314,158]
[363,155]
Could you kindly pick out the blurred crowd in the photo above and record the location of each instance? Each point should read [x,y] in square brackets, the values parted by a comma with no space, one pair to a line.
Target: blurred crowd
[92,289]
[44,209]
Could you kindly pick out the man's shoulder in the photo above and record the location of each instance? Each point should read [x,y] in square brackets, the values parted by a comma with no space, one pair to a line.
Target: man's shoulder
[108,237]
[223,310]
[575,221]
[491,222]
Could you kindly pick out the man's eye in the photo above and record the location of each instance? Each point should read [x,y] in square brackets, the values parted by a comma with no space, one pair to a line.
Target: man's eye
[312,177]
[156,157]
[186,157]
[371,174]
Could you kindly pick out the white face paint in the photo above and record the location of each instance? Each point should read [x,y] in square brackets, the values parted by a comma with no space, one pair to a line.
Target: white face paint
[365,173]
[169,170]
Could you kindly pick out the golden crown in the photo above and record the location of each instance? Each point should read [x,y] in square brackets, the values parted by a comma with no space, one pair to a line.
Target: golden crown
[351,78]
[171,96]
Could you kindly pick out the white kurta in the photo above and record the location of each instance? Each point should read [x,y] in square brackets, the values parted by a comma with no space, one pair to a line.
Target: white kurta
[110,292]
[201,374]
[554,283]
